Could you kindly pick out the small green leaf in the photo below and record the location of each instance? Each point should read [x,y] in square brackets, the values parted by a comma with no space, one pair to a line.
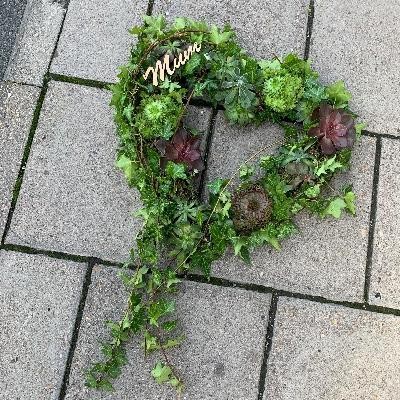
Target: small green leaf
[338,94]
[216,186]
[349,199]
[161,373]
[335,207]
[175,171]
[217,37]
[359,128]
[169,325]
[313,191]
[124,163]
[246,172]
[329,165]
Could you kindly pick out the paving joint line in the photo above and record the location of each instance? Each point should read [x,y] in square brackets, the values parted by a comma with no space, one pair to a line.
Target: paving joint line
[221,282]
[210,135]
[150,6]
[363,306]
[310,22]
[74,340]
[372,219]
[57,254]
[24,161]
[80,81]
[267,345]
[380,135]
[22,84]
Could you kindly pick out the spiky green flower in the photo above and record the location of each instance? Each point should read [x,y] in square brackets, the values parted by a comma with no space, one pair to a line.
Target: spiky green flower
[158,116]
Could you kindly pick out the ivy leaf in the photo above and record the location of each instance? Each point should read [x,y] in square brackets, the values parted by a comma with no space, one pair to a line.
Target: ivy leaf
[161,373]
[173,342]
[335,207]
[313,191]
[159,309]
[127,112]
[126,165]
[349,198]
[240,246]
[216,186]
[169,325]
[175,171]
[217,37]
[338,94]
[359,128]
[329,165]
[246,172]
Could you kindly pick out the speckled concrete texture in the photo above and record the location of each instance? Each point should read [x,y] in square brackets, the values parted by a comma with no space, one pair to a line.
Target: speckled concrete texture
[17,105]
[385,271]
[358,43]
[73,199]
[263,28]
[220,358]
[95,40]
[35,42]
[39,299]
[327,352]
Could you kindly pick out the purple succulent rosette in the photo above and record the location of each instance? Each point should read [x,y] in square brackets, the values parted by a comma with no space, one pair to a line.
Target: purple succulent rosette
[183,148]
[336,129]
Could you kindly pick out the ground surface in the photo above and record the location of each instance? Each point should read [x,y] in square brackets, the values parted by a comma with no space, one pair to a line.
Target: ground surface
[318,321]
[11,12]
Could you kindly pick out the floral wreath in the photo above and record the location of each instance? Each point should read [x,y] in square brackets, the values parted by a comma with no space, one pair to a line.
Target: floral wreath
[160,156]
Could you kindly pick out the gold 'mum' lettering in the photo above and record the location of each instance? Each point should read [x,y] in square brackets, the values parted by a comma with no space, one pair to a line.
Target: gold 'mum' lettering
[164,66]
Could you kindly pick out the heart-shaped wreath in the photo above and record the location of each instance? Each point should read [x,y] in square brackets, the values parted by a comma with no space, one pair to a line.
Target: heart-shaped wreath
[161,157]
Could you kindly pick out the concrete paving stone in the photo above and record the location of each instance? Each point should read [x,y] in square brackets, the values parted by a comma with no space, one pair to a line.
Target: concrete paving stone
[264,28]
[17,104]
[358,42]
[385,279]
[73,198]
[35,42]
[328,352]
[95,40]
[11,13]
[220,358]
[327,257]
[39,299]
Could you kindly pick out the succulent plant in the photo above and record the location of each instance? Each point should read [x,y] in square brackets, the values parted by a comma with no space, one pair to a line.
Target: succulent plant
[251,209]
[183,148]
[335,130]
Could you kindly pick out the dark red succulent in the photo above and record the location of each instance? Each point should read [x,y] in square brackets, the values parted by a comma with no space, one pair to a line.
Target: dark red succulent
[182,148]
[336,129]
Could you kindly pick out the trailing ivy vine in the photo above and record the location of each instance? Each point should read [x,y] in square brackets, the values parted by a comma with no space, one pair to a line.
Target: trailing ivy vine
[160,156]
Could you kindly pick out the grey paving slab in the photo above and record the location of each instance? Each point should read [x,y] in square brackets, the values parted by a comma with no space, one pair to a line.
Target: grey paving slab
[358,42]
[220,359]
[95,39]
[39,299]
[35,42]
[17,104]
[11,13]
[264,28]
[73,199]
[328,257]
[328,352]
[385,278]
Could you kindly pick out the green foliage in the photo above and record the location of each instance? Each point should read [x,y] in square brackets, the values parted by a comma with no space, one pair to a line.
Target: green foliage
[338,94]
[158,116]
[181,234]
